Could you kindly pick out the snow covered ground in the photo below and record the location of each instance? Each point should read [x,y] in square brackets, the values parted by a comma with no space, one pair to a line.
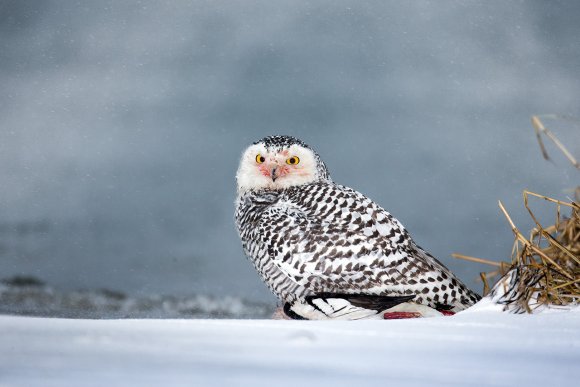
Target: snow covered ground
[476,348]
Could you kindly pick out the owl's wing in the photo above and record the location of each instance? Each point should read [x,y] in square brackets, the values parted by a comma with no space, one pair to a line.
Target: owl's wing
[343,242]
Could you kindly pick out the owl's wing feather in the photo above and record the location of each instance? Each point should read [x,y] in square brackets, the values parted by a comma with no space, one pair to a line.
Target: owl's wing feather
[343,242]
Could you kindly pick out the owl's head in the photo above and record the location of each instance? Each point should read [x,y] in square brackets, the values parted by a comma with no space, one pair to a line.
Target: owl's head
[279,162]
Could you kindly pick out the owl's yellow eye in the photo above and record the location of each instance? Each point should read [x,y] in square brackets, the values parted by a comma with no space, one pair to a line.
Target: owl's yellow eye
[293,160]
[260,159]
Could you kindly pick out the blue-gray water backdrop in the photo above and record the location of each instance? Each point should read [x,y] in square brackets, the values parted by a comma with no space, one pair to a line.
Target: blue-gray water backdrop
[121,125]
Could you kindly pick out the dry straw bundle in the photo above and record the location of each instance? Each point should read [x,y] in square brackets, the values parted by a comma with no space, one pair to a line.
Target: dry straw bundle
[547,263]
[545,267]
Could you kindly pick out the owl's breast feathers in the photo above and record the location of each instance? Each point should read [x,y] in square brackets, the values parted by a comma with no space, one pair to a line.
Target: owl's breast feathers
[326,238]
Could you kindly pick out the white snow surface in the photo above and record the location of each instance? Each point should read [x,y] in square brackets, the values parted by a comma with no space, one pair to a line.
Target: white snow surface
[478,348]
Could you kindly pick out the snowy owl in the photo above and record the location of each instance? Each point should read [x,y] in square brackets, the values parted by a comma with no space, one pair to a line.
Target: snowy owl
[328,251]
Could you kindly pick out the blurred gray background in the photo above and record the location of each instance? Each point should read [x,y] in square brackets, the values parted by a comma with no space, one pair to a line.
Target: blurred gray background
[121,125]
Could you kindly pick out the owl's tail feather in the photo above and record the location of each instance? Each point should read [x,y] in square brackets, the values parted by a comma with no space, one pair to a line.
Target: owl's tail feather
[367,301]
[333,306]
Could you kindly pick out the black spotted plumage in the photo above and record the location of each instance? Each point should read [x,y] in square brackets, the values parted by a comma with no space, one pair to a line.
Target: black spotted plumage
[322,238]
[280,142]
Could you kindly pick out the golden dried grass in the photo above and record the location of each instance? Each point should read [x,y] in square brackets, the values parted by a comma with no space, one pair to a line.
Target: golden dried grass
[546,263]
[545,267]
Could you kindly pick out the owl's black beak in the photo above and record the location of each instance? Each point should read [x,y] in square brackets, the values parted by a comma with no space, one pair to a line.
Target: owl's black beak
[273,174]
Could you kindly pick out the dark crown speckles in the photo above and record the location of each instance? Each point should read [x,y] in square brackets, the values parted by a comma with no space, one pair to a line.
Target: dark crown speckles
[279,142]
